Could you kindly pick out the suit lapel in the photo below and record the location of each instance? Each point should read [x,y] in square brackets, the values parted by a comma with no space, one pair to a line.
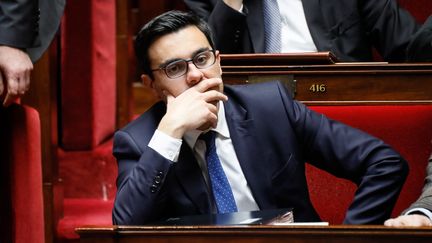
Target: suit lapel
[190,177]
[255,23]
[249,153]
[315,21]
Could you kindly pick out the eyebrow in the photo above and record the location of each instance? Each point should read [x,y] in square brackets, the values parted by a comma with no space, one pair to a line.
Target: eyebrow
[164,64]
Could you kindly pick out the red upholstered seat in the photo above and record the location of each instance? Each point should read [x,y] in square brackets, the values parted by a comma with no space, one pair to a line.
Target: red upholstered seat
[407,128]
[88,114]
[89,173]
[22,214]
[89,188]
[81,212]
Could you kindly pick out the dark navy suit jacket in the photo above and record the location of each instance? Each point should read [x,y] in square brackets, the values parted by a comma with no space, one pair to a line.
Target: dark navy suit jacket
[348,28]
[273,137]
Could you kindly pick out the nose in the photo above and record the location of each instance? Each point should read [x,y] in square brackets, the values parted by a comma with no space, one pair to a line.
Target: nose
[193,74]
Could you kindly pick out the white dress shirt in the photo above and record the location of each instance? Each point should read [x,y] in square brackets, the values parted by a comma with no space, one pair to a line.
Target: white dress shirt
[424,211]
[295,33]
[169,148]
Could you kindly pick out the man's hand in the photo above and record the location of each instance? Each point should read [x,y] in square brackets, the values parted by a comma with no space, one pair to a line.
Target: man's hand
[235,4]
[15,69]
[409,220]
[195,108]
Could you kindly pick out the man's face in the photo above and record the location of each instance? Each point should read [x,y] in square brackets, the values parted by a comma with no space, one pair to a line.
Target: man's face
[183,44]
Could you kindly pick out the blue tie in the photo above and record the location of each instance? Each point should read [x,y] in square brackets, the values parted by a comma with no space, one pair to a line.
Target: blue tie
[219,183]
[272,26]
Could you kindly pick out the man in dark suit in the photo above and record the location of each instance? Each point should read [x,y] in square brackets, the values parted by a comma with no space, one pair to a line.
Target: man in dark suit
[263,140]
[26,30]
[347,28]
[420,212]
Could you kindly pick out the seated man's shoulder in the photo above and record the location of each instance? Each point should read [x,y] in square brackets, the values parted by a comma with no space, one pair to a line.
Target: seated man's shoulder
[147,120]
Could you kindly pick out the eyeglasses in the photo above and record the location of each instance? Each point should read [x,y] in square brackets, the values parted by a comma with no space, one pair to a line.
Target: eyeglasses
[180,67]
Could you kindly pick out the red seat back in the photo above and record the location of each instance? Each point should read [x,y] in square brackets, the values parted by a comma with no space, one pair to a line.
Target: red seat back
[420,9]
[88,88]
[407,128]
[21,175]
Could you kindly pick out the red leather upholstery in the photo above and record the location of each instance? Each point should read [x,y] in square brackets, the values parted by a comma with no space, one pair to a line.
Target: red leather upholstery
[407,128]
[21,175]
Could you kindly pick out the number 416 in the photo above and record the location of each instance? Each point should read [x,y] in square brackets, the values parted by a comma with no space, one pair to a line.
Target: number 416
[317,88]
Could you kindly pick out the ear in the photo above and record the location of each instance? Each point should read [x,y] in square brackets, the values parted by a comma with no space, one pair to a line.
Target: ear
[217,54]
[147,81]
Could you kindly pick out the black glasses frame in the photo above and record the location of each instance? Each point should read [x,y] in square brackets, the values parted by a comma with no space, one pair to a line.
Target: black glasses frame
[164,68]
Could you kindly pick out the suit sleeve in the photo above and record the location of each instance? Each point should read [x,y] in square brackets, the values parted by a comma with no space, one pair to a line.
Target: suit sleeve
[141,175]
[425,199]
[228,25]
[420,47]
[19,21]
[389,26]
[378,171]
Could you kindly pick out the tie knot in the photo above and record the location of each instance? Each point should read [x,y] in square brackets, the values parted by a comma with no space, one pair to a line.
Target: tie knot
[208,137]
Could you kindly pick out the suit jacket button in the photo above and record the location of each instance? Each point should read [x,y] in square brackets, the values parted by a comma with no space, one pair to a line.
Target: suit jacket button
[153,188]
[158,180]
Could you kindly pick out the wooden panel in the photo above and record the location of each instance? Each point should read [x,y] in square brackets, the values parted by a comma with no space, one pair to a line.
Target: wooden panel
[349,83]
[144,98]
[150,9]
[266,59]
[350,88]
[254,234]
[123,47]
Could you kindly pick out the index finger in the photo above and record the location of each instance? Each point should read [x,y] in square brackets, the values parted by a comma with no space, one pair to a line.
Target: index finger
[207,84]
[9,99]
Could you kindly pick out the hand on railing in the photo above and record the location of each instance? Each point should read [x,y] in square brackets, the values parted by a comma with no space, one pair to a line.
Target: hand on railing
[409,220]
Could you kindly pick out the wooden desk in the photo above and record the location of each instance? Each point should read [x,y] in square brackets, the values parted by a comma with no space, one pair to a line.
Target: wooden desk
[254,234]
[342,83]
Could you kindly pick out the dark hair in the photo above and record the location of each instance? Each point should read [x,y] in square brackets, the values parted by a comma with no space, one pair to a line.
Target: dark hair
[164,24]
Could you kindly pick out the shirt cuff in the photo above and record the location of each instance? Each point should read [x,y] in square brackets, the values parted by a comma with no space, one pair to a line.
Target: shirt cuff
[424,211]
[166,145]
